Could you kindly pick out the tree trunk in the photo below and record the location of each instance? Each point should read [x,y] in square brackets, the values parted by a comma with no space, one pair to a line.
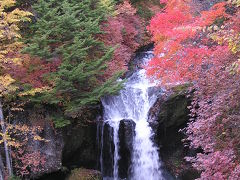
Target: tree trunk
[8,162]
[1,168]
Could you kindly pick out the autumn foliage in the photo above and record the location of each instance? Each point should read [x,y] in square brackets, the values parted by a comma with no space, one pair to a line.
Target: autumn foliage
[123,32]
[203,48]
[10,41]
[178,34]
[72,54]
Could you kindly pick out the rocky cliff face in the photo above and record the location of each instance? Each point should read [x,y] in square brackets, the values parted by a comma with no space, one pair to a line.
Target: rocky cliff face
[167,117]
[49,150]
[62,149]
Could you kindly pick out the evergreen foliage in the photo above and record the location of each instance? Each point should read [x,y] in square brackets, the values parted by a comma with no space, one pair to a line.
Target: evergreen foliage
[68,30]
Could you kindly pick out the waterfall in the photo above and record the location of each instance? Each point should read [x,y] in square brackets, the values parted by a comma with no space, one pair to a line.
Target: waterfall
[7,154]
[134,102]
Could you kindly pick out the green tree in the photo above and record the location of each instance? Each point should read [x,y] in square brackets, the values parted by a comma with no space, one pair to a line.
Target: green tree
[68,30]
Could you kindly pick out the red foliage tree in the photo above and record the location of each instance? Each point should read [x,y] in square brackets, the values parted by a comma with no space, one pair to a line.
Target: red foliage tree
[215,123]
[205,49]
[32,70]
[177,35]
[124,32]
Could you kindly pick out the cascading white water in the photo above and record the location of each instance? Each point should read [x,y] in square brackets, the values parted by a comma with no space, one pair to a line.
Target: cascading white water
[134,102]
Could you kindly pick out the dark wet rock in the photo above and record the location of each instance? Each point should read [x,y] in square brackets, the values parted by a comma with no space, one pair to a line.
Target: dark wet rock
[188,174]
[71,146]
[169,114]
[57,175]
[107,150]
[170,110]
[80,147]
[126,134]
[50,149]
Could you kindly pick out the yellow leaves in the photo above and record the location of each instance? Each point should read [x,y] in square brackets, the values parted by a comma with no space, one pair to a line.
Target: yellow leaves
[32,92]
[14,143]
[6,4]
[212,28]
[6,80]
[235,2]
[9,26]
[9,21]
[6,84]
[25,132]
[228,37]
[234,68]
[16,109]
[108,6]
[17,16]
[9,40]
[39,138]
[233,42]
[10,141]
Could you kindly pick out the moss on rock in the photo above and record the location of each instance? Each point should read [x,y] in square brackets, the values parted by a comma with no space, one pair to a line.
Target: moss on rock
[84,174]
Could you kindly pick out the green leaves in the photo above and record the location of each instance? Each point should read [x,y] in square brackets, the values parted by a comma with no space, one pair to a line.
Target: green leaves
[60,122]
[69,30]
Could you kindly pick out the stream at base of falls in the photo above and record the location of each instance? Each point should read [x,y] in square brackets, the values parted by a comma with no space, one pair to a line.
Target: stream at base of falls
[131,106]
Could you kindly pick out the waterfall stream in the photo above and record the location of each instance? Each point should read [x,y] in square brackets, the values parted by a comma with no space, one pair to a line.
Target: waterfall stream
[133,103]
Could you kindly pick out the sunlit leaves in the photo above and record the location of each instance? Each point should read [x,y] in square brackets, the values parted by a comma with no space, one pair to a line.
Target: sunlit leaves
[6,84]
[9,40]
[176,33]
[205,49]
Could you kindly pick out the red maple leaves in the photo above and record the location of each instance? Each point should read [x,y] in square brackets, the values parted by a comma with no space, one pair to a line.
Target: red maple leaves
[204,48]
[123,32]
[32,70]
[179,52]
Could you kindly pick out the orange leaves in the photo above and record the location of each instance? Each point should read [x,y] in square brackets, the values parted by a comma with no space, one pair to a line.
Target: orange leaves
[9,41]
[171,27]
[180,47]
[122,31]
[126,8]
[32,71]
[208,17]
[176,4]
[184,66]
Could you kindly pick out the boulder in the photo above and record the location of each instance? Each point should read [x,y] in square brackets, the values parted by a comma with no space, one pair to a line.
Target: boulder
[80,147]
[84,174]
[126,134]
[49,149]
[168,115]
[170,109]
[106,147]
